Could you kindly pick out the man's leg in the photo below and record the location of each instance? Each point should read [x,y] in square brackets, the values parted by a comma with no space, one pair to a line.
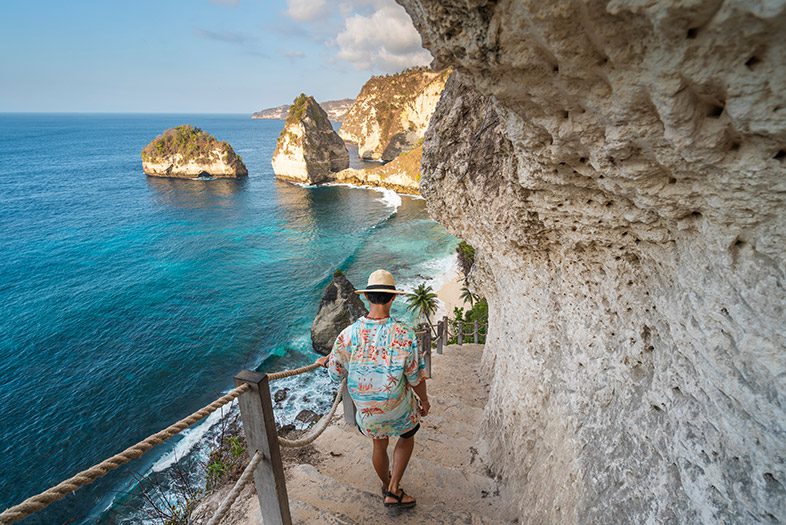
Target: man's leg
[379,458]
[401,455]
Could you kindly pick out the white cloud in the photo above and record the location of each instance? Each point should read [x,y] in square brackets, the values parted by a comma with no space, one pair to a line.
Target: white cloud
[375,35]
[383,40]
[306,10]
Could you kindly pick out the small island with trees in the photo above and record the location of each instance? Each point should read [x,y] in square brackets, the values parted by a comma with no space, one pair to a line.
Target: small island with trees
[189,152]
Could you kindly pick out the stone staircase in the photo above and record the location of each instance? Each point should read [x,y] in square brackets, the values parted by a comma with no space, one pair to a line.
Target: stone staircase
[332,481]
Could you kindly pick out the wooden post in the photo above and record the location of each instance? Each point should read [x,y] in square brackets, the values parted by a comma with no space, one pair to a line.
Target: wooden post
[440,336]
[460,332]
[349,407]
[259,426]
[426,349]
[475,332]
[445,330]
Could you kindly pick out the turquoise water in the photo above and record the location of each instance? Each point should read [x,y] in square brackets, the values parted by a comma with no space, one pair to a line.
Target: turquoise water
[127,302]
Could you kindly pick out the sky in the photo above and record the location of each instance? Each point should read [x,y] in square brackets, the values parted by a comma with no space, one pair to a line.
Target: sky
[195,56]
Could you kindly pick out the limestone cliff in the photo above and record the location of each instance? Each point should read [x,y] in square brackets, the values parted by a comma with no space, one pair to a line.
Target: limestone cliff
[339,308]
[335,109]
[189,152]
[308,149]
[392,112]
[620,168]
[402,174]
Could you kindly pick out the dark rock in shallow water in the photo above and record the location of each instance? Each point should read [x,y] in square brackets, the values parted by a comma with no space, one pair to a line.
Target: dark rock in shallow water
[307,416]
[286,429]
[339,308]
[280,395]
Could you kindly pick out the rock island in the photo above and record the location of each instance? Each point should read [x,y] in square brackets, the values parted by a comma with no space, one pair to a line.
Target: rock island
[188,152]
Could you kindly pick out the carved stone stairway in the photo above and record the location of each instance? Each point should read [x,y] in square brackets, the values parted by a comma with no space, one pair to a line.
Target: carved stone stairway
[333,482]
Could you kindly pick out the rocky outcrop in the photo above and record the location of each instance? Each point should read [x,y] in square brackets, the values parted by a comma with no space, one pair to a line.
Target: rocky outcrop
[619,168]
[335,109]
[189,152]
[392,112]
[339,308]
[308,150]
[401,175]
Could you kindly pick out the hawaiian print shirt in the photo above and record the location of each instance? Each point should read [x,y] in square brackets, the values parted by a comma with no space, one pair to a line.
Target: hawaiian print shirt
[381,362]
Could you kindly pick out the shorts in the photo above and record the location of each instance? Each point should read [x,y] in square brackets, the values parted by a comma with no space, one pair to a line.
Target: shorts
[407,434]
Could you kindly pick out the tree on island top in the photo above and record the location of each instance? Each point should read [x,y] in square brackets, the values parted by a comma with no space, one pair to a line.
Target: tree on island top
[190,142]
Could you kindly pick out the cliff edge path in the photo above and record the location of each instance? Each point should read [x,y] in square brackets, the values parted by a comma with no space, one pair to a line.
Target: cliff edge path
[332,480]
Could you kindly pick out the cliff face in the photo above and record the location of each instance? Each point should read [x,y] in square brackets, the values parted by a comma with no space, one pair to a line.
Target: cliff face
[402,174]
[189,152]
[335,109]
[619,168]
[308,150]
[392,112]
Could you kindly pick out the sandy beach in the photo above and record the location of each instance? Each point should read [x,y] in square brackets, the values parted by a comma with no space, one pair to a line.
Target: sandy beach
[449,294]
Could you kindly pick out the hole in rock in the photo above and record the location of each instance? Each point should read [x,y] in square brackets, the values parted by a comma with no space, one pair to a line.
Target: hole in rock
[555,69]
[739,243]
[609,204]
[565,113]
[734,146]
[676,389]
[780,155]
[715,110]
[672,180]
[656,408]
[776,109]
[583,160]
[752,61]
[693,33]
[696,214]
[769,478]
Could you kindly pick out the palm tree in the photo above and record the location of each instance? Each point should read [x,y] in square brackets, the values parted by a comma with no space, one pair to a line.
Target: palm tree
[468,297]
[423,301]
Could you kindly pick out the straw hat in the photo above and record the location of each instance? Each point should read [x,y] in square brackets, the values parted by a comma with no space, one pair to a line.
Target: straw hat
[381,281]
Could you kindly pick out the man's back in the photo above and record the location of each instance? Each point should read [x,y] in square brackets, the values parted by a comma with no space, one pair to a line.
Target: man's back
[381,361]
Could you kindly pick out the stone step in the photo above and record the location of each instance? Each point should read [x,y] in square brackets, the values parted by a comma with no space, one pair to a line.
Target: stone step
[315,495]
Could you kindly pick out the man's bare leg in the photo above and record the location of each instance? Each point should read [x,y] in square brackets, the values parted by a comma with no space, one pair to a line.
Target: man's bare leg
[379,458]
[401,455]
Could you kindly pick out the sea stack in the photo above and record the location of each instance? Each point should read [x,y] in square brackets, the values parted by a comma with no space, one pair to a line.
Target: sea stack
[392,112]
[308,149]
[339,308]
[188,152]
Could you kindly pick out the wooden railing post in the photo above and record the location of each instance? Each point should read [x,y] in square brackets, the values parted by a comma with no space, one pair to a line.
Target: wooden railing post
[349,406]
[259,426]
[460,332]
[475,331]
[440,336]
[425,347]
[446,329]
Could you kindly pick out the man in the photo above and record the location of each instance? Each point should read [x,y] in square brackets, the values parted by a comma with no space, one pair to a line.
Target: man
[379,357]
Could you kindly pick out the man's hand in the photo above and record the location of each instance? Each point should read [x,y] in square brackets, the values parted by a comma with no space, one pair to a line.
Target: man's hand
[322,361]
[425,406]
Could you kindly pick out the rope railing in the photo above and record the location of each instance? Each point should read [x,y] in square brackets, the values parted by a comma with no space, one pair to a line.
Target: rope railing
[318,428]
[42,500]
[62,489]
[230,498]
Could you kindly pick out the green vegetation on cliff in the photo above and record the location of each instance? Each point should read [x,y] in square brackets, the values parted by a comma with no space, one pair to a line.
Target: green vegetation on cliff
[190,142]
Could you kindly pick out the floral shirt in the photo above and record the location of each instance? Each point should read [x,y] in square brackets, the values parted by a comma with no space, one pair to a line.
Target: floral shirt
[381,362]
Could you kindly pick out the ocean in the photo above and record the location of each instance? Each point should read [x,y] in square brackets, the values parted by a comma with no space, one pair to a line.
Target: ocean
[127,302]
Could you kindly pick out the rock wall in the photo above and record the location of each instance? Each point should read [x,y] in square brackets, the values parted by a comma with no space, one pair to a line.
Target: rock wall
[402,174]
[391,113]
[620,168]
[308,149]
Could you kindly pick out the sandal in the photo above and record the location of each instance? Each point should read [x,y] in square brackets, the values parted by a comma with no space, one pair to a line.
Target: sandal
[399,497]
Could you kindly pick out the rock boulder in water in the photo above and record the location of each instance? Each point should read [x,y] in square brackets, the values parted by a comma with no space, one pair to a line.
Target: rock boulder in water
[339,308]
[308,149]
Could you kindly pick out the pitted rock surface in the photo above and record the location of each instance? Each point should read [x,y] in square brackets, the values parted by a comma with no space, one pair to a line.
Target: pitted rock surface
[620,168]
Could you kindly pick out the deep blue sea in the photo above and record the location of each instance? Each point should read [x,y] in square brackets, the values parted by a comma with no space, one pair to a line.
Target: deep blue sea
[127,302]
